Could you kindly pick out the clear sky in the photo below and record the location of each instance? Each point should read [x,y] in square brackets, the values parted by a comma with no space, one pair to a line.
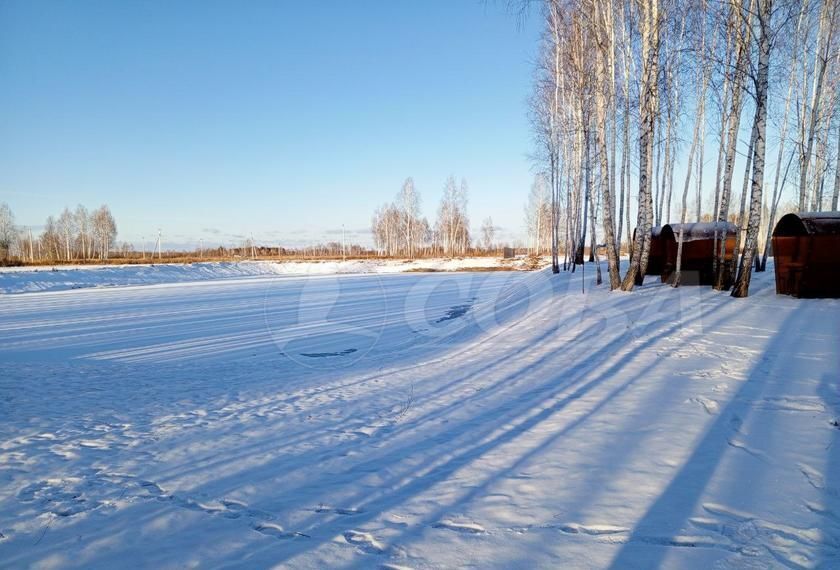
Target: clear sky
[285,119]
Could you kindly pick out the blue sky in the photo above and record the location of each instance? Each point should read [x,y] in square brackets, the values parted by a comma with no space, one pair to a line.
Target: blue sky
[283,119]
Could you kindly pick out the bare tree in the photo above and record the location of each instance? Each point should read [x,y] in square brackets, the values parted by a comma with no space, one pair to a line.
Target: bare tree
[104,229]
[67,230]
[7,229]
[408,202]
[836,192]
[83,222]
[822,55]
[739,30]
[651,21]
[777,188]
[538,217]
[763,16]
[488,232]
[453,223]
[398,228]
[605,72]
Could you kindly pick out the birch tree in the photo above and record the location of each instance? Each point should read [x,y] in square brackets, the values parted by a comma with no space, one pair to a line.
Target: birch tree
[836,193]
[763,17]
[740,31]
[408,202]
[104,229]
[603,31]
[488,232]
[538,217]
[453,222]
[7,229]
[822,55]
[696,140]
[651,18]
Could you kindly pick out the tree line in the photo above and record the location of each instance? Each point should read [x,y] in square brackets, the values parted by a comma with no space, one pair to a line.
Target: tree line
[631,97]
[400,230]
[75,235]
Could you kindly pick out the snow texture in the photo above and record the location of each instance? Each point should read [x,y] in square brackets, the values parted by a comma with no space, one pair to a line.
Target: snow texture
[454,420]
[63,277]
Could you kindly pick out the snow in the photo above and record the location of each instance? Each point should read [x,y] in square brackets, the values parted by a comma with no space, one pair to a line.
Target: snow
[445,420]
[63,277]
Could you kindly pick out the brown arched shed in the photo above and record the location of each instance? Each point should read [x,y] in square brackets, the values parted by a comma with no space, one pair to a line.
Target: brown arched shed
[656,255]
[699,242]
[806,251]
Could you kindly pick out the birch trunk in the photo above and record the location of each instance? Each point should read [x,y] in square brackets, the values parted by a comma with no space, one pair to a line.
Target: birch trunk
[694,142]
[702,119]
[657,180]
[586,193]
[742,225]
[624,159]
[782,139]
[773,209]
[741,61]
[836,193]
[647,115]
[601,105]
[821,56]
[742,284]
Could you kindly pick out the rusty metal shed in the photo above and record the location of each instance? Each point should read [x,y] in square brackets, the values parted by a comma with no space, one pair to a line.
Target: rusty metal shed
[806,250]
[699,242]
[655,257]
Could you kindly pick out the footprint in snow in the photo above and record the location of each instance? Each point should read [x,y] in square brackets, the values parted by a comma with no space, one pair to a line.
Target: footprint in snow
[710,406]
[271,529]
[816,480]
[592,529]
[466,527]
[738,444]
[234,509]
[93,444]
[339,511]
[63,498]
[802,404]
[822,510]
[364,541]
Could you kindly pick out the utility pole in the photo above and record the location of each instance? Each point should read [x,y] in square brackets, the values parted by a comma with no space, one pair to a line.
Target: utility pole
[31,253]
[200,248]
[160,245]
[143,239]
[343,247]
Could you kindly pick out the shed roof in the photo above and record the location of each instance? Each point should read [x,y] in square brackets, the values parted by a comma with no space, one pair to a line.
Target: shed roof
[655,231]
[808,223]
[699,230]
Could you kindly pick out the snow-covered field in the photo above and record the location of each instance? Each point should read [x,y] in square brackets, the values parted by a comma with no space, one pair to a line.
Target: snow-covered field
[63,277]
[448,420]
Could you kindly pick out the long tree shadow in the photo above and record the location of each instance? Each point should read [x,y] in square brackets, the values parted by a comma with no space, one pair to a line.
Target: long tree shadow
[519,417]
[463,442]
[829,392]
[550,330]
[506,358]
[679,500]
[531,422]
